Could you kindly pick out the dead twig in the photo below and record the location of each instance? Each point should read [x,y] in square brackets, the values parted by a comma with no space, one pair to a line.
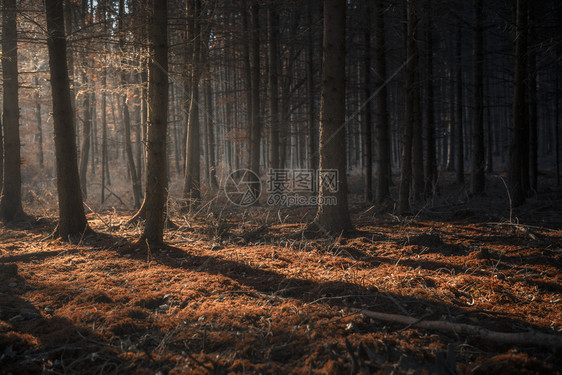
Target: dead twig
[520,338]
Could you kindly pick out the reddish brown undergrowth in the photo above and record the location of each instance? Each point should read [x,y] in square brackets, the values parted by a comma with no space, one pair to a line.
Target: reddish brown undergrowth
[249,292]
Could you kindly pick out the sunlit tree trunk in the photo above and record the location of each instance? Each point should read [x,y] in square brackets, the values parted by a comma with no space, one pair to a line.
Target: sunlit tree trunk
[333,218]
[72,220]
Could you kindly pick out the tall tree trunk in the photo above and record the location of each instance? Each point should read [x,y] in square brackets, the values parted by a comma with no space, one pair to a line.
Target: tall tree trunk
[135,178]
[104,161]
[156,181]
[430,152]
[533,102]
[367,118]
[40,155]
[255,130]
[86,132]
[10,203]
[312,138]
[72,220]
[211,134]
[459,112]
[383,171]
[406,166]
[273,23]
[478,180]
[192,178]
[333,218]
[517,133]
[418,181]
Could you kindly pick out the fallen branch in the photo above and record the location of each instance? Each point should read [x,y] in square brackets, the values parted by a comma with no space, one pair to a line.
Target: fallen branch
[522,338]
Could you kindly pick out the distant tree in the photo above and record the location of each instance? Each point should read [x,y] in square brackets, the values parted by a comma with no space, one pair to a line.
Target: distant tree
[72,220]
[517,133]
[10,203]
[333,218]
[156,175]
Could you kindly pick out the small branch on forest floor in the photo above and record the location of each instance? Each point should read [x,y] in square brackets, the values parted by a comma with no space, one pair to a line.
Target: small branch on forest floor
[521,338]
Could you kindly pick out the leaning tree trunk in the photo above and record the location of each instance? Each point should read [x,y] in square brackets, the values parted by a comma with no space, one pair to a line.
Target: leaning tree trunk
[10,203]
[517,135]
[333,218]
[72,220]
[156,177]
[478,181]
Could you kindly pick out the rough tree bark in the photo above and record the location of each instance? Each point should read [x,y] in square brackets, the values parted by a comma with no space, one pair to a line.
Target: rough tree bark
[156,176]
[72,220]
[333,218]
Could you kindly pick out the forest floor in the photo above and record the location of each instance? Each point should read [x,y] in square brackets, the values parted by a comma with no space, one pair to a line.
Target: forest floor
[250,291]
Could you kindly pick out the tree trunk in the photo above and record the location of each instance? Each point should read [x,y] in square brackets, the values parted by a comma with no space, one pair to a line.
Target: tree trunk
[459,112]
[72,220]
[430,152]
[192,178]
[255,130]
[156,181]
[533,114]
[86,132]
[273,21]
[478,164]
[368,110]
[10,203]
[40,156]
[517,134]
[312,138]
[383,172]
[406,166]
[135,178]
[333,218]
